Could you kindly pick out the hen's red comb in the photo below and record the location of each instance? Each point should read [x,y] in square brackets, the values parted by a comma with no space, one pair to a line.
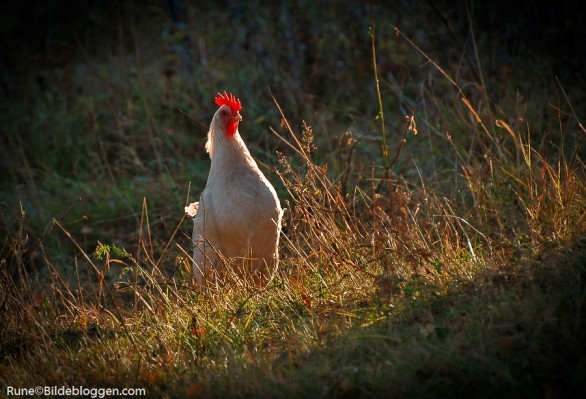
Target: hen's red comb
[229,100]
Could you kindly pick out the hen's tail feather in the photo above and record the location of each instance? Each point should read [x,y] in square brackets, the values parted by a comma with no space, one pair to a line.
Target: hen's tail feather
[191,209]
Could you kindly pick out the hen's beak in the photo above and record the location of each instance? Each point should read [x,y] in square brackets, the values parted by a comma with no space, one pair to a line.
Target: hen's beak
[237,117]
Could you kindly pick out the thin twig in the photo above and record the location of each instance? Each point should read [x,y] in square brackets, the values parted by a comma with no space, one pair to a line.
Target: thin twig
[381,114]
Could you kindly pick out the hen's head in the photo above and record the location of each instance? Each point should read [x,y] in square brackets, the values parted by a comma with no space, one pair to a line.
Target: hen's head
[229,113]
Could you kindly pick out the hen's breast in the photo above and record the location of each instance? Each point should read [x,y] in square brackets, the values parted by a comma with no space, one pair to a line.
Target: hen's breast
[235,205]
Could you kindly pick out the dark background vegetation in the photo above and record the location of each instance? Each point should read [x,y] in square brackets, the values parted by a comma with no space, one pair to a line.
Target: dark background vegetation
[97,62]
[39,35]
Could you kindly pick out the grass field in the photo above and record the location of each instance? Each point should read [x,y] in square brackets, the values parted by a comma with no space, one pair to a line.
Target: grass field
[434,239]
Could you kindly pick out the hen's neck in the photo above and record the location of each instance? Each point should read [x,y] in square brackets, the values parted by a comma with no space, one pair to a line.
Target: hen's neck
[229,150]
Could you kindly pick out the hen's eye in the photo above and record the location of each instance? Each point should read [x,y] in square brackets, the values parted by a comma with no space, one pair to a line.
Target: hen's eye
[223,113]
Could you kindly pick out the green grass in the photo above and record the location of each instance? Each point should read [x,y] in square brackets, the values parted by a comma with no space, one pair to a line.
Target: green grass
[454,266]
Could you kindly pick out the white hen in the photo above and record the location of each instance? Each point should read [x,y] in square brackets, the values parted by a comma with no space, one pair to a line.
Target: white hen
[237,221]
